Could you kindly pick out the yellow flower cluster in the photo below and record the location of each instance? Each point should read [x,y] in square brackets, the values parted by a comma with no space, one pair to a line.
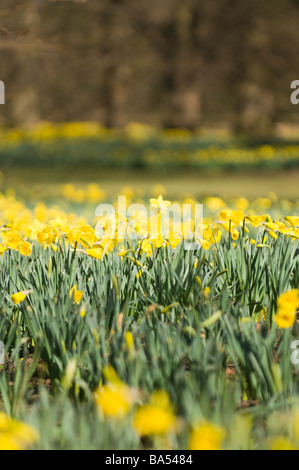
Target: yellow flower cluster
[48,131]
[156,417]
[21,227]
[92,193]
[176,154]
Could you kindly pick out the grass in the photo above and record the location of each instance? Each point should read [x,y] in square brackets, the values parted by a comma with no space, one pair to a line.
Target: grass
[177,183]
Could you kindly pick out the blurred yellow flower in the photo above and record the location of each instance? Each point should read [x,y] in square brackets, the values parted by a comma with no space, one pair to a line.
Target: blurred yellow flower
[282,443]
[206,436]
[16,435]
[289,299]
[114,399]
[206,292]
[287,304]
[156,417]
[285,318]
[129,342]
[83,311]
[158,189]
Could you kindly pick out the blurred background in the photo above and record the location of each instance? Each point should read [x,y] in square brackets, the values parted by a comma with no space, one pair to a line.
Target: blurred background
[194,95]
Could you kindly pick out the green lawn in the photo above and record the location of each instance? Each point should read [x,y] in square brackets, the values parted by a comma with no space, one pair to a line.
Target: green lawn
[177,183]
